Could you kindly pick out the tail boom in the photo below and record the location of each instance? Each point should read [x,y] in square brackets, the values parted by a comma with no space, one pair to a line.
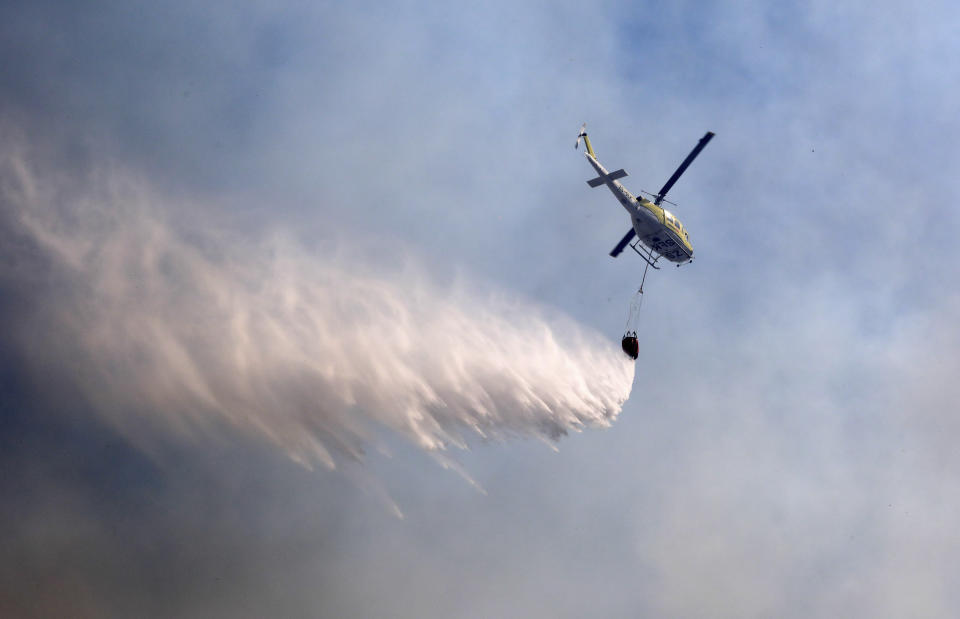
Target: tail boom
[586,140]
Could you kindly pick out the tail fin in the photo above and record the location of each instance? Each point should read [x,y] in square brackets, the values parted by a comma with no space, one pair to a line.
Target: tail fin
[586,140]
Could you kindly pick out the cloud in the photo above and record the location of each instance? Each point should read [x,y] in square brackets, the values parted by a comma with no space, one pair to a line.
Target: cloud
[181,327]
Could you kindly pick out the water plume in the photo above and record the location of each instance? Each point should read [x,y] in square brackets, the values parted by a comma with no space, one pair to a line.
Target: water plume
[174,328]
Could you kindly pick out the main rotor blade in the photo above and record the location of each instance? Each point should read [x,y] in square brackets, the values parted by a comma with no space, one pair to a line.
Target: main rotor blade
[623,243]
[683,166]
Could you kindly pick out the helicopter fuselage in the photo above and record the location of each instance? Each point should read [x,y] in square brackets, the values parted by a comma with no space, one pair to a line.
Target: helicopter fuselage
[656,227]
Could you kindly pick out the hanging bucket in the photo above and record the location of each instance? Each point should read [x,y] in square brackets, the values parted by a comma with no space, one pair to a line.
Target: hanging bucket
[629,343]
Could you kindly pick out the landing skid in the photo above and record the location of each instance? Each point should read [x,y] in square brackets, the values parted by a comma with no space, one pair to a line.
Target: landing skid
[646,254]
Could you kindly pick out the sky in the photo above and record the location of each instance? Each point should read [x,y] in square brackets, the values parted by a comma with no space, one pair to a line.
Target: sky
[308,310]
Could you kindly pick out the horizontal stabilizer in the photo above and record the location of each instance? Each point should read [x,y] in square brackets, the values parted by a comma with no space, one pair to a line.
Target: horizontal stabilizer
[596,182]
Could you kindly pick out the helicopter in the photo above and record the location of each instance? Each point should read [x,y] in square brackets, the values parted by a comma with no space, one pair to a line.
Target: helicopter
[659,231]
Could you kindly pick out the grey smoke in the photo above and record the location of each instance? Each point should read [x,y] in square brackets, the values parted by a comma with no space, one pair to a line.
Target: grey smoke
[171,325]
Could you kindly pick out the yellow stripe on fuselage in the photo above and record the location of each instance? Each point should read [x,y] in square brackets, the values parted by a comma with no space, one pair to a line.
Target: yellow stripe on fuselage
[586,140]
[661,215]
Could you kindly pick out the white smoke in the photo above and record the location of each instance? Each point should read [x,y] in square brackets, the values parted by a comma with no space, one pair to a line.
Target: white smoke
[185,330]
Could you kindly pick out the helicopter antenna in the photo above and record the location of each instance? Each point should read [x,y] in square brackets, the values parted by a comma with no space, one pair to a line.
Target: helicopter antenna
[654,196]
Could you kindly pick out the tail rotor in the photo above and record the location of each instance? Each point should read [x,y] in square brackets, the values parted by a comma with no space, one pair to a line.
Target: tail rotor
[581,135]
